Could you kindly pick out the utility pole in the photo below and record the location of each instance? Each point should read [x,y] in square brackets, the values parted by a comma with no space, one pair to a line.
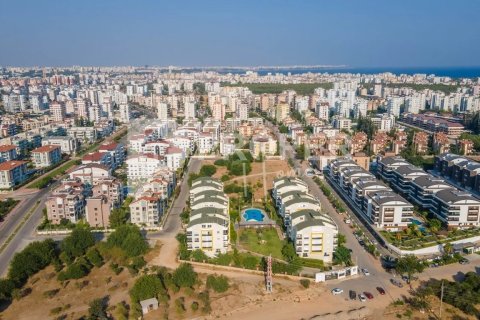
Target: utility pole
[441,302]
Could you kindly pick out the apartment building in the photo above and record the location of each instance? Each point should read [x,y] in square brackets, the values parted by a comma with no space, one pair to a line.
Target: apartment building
[67,145]
[97,211]
[372,199]
[263,145]
[12,173]
[116,151]
[147,211]
[459,171]
[143,166]
[89,173]
[209,226]
[455,208]
[65,203]
[8,153]
[314,234]
[46,156]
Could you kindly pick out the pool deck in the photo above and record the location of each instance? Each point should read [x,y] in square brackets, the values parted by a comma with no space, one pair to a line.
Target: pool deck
[253,223]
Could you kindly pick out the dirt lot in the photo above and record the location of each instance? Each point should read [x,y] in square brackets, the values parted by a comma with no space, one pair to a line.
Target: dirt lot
[262,174]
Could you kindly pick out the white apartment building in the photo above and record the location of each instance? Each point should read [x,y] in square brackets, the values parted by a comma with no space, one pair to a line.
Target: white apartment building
[67,144]
[314,234]
[143,166]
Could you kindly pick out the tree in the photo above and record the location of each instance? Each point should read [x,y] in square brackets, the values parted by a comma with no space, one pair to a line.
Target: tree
[184,276]
[208,170]
[118,217]
[6,288]
[98,309]
[448,248]
[288,252]
[410,265]
[434,225]
[146,287]
[36,256]
[217,283]
[129,239]
[342,255]
[77,243]
[94,257]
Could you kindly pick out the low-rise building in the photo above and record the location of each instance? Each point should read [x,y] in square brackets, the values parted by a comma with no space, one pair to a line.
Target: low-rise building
[8,153]
[67,144]
[46,156]
[12,173]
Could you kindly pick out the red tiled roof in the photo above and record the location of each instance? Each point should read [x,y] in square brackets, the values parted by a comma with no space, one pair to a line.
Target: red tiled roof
[109,146]
[46,148]
[7,147]
[95,156]
[9,165]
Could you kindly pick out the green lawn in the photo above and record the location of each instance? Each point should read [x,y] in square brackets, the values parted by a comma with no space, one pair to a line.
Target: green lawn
[263,241]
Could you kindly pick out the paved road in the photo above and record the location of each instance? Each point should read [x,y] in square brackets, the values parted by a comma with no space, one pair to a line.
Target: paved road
[26,233]
[168,253]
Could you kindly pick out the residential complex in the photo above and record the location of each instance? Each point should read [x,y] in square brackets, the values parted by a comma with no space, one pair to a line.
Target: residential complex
[371,198]
[454,207]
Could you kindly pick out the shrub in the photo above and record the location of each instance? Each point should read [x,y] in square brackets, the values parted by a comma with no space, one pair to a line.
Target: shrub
[217,283]
[94,257]
[194,306]
[50,293]
[199,255]
[146,287]
[305,283]
[221,162]
[184,276]
[207,170]
[74,271]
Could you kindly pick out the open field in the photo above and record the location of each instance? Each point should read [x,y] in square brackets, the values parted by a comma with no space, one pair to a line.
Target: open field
[262,174]
[264,241]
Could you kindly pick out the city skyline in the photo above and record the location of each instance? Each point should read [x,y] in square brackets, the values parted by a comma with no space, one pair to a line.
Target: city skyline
[367,34]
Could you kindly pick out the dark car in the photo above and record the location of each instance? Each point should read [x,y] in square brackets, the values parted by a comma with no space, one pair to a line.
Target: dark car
[381,290]
[464,261]
[352,294]
[368,295]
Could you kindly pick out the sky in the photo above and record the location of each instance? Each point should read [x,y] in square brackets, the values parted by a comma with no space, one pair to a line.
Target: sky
[367,33]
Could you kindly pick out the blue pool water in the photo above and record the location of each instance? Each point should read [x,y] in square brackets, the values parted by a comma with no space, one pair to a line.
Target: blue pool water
[420,225]
[253,215]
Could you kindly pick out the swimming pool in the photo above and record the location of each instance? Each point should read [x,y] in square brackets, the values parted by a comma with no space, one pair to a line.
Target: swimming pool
[420,225]
[253,214]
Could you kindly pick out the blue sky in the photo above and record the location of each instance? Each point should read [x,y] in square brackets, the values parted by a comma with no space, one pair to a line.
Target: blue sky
[244,32]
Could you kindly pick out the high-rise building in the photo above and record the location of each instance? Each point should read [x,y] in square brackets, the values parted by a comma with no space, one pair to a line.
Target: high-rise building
[57,111]
[162,111]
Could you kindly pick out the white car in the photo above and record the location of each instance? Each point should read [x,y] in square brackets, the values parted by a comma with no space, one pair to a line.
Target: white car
[337,291]
[362,297]
[365,272]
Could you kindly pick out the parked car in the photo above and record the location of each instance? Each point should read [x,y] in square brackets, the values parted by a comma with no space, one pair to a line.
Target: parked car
[337,291]
[368,295]
[365,271]
[362,297]
[381,290]
[361,242]
[396,283]
[464,261]
[352,294]
[347,221]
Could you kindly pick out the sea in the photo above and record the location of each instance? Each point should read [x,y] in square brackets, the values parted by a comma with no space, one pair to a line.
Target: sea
[452,72]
